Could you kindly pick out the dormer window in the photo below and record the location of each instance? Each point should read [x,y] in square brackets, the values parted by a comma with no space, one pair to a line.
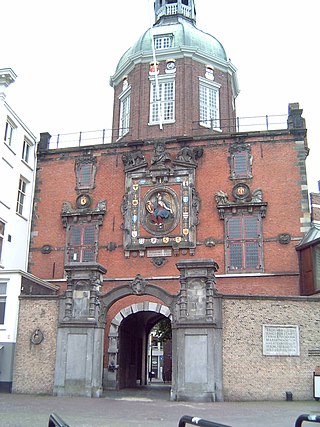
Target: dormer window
[163,42]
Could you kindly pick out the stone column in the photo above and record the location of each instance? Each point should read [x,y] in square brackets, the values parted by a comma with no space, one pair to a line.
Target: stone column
[197,334]
[79,361]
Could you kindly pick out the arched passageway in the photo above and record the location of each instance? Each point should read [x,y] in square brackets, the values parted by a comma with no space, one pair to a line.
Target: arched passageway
[128,344]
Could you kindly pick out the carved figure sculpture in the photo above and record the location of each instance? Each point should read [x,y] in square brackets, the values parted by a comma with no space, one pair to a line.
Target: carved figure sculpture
[221,198]
[159,209]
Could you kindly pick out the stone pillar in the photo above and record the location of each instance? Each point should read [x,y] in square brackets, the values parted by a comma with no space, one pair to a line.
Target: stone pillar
[197,334]
[79,361]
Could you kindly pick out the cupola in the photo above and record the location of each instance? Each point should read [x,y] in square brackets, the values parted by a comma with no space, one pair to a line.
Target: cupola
[165,10]
[175,80]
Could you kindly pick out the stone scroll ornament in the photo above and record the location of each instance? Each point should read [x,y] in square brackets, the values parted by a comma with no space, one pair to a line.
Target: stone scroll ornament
[243,199]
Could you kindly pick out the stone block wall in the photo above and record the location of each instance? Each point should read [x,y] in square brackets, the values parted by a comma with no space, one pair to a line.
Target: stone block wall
[250,375]
[34,360]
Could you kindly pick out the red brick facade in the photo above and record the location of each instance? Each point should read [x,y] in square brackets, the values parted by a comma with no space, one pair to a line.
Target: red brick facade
[271,151]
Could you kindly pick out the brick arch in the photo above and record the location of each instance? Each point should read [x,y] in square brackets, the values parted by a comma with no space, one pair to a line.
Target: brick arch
[113,337]
[126,290]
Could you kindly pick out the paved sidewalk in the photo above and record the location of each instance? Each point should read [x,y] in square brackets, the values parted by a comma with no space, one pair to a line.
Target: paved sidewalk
[148,407]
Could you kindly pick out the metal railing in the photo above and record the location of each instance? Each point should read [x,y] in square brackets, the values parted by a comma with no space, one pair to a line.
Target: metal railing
[80,139]
[237,125]
[247,124]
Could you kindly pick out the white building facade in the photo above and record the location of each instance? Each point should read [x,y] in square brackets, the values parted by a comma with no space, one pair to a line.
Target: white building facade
[17,178]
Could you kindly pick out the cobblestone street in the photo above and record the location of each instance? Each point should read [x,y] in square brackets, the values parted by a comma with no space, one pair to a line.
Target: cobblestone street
[147,407]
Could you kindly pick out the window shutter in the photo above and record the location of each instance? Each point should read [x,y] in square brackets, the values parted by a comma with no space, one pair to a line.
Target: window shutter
[75,235]
[240,164]
[234,228]
[251,227]
[89,235]
[85,175]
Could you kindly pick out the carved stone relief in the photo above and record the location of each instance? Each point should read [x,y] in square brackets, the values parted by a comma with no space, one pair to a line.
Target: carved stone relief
[161,205]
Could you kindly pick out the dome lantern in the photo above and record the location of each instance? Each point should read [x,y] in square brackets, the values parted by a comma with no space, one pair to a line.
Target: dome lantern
[166,9]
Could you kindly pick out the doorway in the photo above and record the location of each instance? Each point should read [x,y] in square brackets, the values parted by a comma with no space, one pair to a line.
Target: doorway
[130,364]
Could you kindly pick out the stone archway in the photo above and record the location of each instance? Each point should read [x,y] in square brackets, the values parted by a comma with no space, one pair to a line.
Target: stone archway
[127,350]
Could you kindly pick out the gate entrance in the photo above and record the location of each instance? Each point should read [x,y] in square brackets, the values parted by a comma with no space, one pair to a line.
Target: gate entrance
[129,345]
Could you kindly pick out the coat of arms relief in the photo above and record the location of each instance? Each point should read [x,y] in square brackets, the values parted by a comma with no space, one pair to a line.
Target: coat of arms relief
[161,206]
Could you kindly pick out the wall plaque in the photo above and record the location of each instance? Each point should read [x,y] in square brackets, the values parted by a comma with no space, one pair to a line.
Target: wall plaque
[281,340]
[159,253]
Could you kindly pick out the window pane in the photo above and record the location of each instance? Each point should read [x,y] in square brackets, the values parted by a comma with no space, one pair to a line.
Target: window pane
[252,255]
[26,151]
[3,288]
[251,227]
[124,116]
[75,235]
[2,311]
[163,104]
[234,228]
[85,174]
[8,133]
[89,235]
[164,42]
[208,106]
[74,255]
[82,243]
[235,251]
[21,196]
[88,254]
[1,241]
[240,164]
[243,243]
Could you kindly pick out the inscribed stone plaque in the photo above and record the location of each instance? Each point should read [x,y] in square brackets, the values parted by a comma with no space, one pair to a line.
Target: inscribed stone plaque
[281,340]
[196,359]
[159,253]
[196,294]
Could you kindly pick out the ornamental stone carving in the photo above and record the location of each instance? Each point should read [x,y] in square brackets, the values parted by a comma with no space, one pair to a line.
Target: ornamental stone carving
[138,285]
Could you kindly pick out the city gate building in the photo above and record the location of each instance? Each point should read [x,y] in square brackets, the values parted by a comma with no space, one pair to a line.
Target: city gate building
[183,216]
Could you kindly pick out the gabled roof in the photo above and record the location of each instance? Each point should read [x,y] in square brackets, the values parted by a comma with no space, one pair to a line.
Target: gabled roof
[311,238]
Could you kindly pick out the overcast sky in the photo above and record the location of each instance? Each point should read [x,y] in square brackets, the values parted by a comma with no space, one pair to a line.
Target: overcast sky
[64,52]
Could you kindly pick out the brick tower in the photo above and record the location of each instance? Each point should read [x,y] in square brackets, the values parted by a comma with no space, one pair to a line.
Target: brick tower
[184,64]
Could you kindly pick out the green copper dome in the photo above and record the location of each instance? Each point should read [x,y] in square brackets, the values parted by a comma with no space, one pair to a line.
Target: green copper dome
[186,37]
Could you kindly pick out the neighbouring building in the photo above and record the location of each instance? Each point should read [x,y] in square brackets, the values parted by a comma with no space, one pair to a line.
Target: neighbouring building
[17,177]
[183,216]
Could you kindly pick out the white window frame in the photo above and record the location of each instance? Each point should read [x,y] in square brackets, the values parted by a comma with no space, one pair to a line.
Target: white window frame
[3,298]
[209,105]
[2,228]
[22,193]
[26,150]
[162,42]
[166,101]
[9,132]
[124,117]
